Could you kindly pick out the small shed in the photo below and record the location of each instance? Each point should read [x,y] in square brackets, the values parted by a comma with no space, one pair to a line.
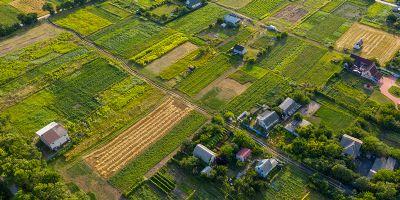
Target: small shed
[243,154]
[53,135]
[206,171]
[203,153]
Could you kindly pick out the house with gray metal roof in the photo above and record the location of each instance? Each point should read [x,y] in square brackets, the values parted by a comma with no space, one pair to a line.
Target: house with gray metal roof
[267,119]
[265,166]
[382,163]
[203,153]
[351,145]
[289,107]
[193,4]
[232,19]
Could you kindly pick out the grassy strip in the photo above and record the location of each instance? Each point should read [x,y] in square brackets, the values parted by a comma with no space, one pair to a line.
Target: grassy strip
[134,172]
[395,91]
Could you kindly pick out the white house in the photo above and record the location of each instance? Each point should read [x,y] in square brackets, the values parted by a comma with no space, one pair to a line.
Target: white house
[232,19]
[289,107]
[351,145]
[203,153]
[267,119]
[265,166]
[239,50]
[193,4]
[53,135]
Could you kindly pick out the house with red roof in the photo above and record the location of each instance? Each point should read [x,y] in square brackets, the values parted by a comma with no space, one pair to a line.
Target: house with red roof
[243,154]
[365,68]
[53,135]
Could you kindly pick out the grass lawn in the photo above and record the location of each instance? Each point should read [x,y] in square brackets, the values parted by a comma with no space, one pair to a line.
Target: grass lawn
[8,15]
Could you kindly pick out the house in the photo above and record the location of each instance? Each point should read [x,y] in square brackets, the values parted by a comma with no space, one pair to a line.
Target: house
[351,145]
[203,153]
[289,107]
[265,166]
[193,4]
[243,154]
[359,44]
[267,119]
[53,135]
[239,50]
[272,28]
[382,163]
[293,125]
[206,171]
[364,68]
[232,20]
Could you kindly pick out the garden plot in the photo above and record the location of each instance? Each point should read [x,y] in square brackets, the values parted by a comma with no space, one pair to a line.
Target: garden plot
[29,6]
[36,34]
[377,44]
[83,21]
[235,4]
[291,13]
[262,8]
[120,151]
[172,57]
[350,11]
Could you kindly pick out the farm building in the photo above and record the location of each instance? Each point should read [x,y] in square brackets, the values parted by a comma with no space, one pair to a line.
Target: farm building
[267,119]
[239,50]
[382,163]
[289,107]
[351,146]
[358,45]
[243,154]
[293,125]
[193,4]
[364,68]
[53,135]
[205,154]
[232,20]
[265,166]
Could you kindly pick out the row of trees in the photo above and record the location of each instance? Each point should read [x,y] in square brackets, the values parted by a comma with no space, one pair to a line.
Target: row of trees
[24,20]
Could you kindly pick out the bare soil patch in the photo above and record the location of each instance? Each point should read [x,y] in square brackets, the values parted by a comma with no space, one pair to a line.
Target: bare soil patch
[170,58]
[377,44]
[291,13]
[30,6]
[36,34]
[230,89]
[310,109]
[113,156]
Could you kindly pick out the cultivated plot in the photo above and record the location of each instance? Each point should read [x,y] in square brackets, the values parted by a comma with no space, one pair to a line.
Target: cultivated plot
[116,154]
[30,6]
[377,44]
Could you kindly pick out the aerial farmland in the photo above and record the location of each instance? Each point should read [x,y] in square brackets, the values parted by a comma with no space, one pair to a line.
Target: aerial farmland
[198,99]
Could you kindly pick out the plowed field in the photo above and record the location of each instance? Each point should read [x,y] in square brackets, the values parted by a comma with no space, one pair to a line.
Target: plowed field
[116,154]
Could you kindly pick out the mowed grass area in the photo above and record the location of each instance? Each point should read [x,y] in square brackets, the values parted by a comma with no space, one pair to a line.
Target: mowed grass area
[323,27]
[198,20]
[290,183]
[133,173]
[130,37]
[236,4]
[83,21]
[8,15]
[260,9]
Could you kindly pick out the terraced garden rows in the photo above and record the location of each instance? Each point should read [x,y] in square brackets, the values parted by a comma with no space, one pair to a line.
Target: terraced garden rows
[115,155]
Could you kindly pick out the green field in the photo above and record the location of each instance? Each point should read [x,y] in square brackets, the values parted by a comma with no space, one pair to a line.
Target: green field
[83,21]
[266,90]
[133,173]
[323,27]
[130,37]
[351,11]
[8,15]
[332,5]
[198,20]
[376,15]
[236,4]
[203,76]
[260,9]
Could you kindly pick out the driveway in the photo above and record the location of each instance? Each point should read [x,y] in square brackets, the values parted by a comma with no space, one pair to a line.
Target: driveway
[386,83]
